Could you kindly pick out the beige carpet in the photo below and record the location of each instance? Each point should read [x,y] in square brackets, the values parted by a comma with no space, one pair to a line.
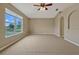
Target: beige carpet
[40,45]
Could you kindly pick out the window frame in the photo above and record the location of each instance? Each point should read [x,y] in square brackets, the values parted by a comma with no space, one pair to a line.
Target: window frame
[15,17]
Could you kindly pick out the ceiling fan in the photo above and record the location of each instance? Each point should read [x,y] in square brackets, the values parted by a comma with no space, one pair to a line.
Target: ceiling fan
[43,6]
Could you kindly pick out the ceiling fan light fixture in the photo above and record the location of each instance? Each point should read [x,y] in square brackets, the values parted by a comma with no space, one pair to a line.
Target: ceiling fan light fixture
[42,8]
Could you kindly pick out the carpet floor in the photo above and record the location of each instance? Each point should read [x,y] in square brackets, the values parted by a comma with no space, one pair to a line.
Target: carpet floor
[42,45]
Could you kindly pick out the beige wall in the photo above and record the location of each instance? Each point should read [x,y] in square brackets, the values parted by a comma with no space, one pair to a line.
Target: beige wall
[71,14]
[72,34]
[5,41]
[41,25]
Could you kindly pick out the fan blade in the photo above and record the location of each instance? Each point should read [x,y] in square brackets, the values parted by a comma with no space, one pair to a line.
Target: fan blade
[49,4]
[36,5]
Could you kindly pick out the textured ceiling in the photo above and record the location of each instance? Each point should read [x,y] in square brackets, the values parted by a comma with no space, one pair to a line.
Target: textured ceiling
[31,11]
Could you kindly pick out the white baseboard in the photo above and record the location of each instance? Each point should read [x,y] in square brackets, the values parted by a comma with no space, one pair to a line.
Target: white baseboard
[72,42]
[56,34]
[4,47]
[11,43]
[41,34]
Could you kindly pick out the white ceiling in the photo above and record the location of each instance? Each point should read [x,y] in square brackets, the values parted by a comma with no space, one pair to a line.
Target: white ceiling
[31,11]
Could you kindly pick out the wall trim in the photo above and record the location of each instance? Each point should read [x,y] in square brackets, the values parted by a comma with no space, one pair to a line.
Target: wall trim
[10,44]
[56,34]
[6,46]
[72,42]
[41,34]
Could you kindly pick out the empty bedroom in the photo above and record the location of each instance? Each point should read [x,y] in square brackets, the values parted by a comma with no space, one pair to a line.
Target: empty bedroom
[39,28]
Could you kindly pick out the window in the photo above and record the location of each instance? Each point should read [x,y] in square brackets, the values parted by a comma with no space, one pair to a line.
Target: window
[13,25]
